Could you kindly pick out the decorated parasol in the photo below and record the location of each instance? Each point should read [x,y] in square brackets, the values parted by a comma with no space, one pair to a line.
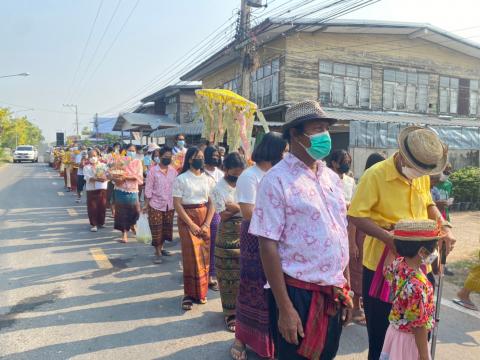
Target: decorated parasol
[223,112]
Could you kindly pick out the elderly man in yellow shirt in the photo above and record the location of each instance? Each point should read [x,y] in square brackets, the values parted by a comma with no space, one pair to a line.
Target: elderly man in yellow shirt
[394,189]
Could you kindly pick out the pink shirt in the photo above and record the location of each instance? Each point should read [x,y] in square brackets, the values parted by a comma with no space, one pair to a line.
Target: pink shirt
[159,188]
[134,169]
[306,214]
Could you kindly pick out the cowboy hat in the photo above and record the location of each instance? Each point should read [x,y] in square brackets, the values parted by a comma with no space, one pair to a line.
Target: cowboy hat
[423,150]
[304,111]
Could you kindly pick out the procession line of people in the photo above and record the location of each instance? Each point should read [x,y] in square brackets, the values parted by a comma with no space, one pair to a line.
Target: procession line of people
[286,240]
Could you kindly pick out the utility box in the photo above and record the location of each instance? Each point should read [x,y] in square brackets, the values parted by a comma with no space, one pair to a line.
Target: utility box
[255,3]
[60,139]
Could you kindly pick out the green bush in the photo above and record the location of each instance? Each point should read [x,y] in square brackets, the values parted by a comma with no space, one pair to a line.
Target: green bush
[466,185]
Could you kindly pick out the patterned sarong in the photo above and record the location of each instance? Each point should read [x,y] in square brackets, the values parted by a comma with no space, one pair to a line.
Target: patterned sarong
[213,236]
[161,225]
[227,263]
[96,206]
[195,254]
[127,210]
[253,326]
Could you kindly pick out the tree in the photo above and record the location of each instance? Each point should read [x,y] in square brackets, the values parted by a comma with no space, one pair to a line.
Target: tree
[86,131]
[17,131]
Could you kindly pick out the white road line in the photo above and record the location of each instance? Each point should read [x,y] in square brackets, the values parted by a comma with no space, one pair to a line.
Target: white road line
[60,193]
[452,305]
[72,212]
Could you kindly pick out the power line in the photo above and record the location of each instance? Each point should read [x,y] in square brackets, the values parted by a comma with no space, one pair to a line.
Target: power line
[115,39]
[84,49]
[39,109]
[92,58]
[206,43]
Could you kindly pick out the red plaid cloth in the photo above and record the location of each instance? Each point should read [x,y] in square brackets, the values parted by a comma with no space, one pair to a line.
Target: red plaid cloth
[322,306]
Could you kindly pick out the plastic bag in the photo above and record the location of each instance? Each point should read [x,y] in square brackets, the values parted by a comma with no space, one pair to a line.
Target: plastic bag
[144,234]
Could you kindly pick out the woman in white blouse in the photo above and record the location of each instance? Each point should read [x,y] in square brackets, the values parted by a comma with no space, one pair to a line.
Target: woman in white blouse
[191,199]
[227,244]
[96,186]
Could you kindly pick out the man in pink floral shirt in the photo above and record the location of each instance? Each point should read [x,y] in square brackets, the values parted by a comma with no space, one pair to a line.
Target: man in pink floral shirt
[300,218]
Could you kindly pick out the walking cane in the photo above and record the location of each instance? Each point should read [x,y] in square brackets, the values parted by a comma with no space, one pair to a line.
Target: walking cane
[443,261]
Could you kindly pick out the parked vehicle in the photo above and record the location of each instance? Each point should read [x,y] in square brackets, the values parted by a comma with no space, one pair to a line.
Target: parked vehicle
[25,153]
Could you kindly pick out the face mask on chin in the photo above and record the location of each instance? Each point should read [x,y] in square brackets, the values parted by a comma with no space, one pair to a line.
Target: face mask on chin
[443,178]
[411,173]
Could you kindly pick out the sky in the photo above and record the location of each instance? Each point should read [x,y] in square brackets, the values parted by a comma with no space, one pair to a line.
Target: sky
[136,47]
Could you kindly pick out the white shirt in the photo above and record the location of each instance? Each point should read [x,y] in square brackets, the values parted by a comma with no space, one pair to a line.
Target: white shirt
[78,160]
[222,194]
[193,189]
[216,174]
[247,185]
[89,172]
[348,188]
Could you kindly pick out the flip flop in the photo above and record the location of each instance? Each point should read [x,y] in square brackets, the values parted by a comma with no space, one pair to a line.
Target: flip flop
[238,352]
[166,253]
[230,323]
[466,304]
[214,286]
[187,303]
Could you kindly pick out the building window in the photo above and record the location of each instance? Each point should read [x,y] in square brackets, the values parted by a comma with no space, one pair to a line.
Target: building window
[459,96]
[232,85]
[265,83]
[405,91]
[344,85]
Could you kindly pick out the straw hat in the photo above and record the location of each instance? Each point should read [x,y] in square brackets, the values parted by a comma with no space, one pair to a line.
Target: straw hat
[305,111]
[417,230]
[152,147]
[423,150]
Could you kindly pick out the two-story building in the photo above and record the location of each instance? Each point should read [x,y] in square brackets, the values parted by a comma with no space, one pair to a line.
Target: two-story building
[374,76]
[171,108]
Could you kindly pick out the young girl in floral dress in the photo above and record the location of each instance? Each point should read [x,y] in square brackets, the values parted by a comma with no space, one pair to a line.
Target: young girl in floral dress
[413,308]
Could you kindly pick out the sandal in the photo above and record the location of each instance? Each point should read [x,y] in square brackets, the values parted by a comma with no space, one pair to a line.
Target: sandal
[238,351]
[230,323]
[214,286]
[166,253]
[202,301]
[187,303]
[158,260]
[466,304]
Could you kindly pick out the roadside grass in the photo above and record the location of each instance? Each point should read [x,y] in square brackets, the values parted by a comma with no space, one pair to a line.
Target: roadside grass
[461,268]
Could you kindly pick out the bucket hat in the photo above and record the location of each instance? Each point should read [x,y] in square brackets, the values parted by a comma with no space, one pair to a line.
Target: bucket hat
[305,111]
[423,150]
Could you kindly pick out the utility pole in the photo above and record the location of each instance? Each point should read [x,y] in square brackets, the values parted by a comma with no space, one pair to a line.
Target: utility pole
[96,127]
[243,29]
[76,116]
[76,119]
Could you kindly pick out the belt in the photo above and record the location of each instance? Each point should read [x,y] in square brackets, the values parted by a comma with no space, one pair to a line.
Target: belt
[194,206]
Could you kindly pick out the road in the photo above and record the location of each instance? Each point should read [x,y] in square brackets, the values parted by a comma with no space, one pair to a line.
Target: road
[57,302]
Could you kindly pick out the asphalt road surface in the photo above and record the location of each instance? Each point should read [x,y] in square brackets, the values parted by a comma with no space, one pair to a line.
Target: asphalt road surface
[58,302]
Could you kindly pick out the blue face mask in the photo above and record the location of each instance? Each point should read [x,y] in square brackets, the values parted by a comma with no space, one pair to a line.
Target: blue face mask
[321,145]
[131,154]
[181,144]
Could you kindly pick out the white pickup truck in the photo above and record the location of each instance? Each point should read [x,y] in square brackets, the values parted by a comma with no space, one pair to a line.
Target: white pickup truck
[25,153]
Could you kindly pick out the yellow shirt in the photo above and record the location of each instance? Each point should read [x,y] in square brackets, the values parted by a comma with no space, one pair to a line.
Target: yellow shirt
[385,196]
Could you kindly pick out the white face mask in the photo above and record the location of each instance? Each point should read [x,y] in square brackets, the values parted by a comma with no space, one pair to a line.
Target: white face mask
[411,173]
[443,178]
[93,160]
[430,258]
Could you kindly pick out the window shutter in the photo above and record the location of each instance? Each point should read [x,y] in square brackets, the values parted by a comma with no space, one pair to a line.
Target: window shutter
[388,95]
[337,92]
[364,94]
[411,97]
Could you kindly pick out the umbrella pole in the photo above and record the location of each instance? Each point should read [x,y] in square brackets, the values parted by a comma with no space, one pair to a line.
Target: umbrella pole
[443,261]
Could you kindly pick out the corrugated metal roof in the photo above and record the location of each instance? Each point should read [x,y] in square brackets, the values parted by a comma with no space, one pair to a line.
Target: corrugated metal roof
[401,118]
[132,121]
